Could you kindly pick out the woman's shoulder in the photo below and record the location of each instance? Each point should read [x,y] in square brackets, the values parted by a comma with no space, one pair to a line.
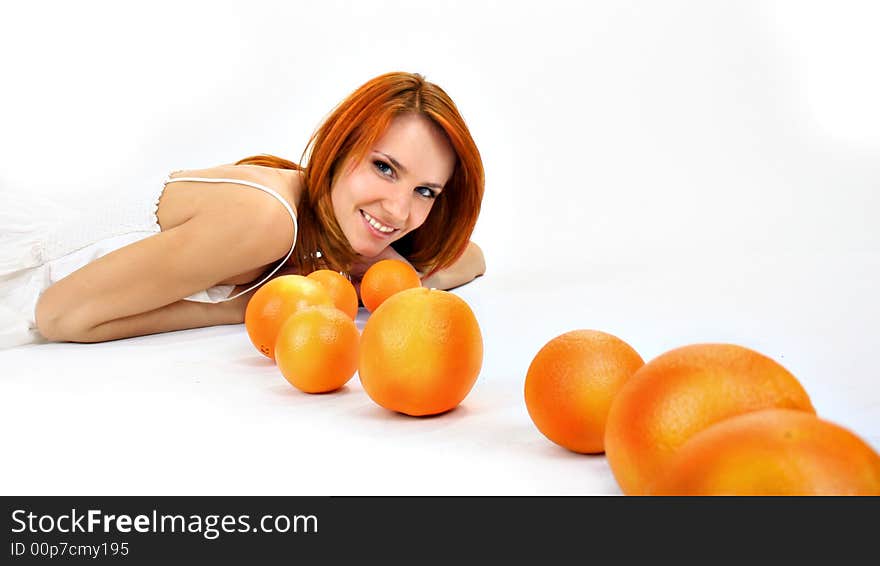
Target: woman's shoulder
[186,199]
[283,181]
[286,183]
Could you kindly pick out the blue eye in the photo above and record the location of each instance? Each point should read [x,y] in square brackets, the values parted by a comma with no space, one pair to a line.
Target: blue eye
[383,167]
[387,171]
[426,192]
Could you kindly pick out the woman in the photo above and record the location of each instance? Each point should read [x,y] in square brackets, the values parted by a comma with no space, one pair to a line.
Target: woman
[392,173]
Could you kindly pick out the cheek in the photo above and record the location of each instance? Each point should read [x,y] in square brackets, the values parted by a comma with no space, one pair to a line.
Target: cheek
[367,188]
[355,189]
[344,195]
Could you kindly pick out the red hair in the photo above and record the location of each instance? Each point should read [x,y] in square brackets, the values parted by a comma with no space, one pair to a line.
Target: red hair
[348,133]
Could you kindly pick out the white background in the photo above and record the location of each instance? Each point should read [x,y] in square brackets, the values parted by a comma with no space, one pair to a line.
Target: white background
[671,172]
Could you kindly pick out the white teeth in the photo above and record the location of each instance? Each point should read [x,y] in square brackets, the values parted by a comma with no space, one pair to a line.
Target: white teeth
[377,225]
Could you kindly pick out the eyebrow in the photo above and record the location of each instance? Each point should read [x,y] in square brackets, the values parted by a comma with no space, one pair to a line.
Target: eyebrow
[397,164]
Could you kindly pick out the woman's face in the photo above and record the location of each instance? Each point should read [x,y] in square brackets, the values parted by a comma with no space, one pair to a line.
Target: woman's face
[390,192]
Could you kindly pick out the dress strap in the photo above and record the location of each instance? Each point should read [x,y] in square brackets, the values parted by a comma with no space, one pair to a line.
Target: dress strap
[266,190]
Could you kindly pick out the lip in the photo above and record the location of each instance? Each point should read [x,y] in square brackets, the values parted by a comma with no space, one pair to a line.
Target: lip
[377,233]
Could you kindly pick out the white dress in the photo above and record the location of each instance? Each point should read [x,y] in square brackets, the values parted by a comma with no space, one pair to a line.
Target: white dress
[42,242]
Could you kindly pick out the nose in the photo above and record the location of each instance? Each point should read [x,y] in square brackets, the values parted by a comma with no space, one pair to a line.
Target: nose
[396,205]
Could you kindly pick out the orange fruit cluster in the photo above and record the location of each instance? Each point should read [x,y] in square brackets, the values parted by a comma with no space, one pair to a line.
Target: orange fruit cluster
[420,353]
[273,303]
[306,326]
[701,419]
[707,419]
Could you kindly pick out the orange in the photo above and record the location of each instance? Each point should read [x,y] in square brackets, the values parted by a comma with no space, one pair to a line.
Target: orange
[773,452]
[317,349]
[272,303]
[421,352]
[570,385]
[341,290]
[385,278]
[681,392]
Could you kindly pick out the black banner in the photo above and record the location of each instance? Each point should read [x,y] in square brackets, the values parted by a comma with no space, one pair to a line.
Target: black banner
[269,530]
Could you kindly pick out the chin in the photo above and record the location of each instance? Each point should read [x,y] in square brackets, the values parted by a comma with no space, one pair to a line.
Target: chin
[367,246]
[367,251]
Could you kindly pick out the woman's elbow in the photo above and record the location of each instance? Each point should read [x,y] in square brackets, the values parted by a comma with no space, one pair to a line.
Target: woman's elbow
[48,326]
[52,323]
[470,265]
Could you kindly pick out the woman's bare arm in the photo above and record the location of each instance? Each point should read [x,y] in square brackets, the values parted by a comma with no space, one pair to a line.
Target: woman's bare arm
[180,315]
[137,289]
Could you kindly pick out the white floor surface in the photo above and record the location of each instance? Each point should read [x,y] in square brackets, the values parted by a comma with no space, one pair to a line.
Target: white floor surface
[200,412]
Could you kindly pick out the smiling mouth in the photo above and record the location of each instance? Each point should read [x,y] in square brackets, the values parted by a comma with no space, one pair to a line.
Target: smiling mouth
[378,226]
